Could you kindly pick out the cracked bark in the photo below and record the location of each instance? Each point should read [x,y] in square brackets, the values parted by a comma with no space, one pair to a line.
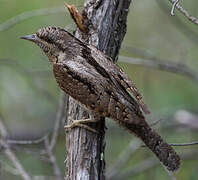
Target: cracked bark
[106,23]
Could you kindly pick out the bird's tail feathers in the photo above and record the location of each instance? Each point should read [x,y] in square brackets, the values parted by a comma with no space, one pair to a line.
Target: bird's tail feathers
[164,152]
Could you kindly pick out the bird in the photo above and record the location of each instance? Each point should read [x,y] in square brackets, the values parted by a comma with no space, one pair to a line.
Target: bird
[101,86]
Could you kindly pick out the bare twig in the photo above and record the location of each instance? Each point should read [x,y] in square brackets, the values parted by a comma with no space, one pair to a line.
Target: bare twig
[155,122]
[10,154]
[173,7]
[27,142]
[35,79]
[123,158]
[30,72]
[59,116]
[9,168]
[77,17]
[181,69]
[52,159]
[179,23]
[146,165]
[183,11]
[14,160]
[3,130]
[180,144]
[171,175]
[141,167]
[26,15]
[184,144]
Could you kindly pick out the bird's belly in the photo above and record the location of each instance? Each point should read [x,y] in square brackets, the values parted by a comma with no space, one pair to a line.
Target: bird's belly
[89,94]
[97,96]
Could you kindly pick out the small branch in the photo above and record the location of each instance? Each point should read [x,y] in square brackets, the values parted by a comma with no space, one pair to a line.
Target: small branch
[181,144]
[183,11]
[171,175]
[59,116]
[52,159]
[155,122]
[184,144]
[30,72]
[148,164]
[139,168]
[9,168]
[35,78]
[123,158]
[3,130]
[173,7]
[77,17]
[14,160]
[10,154]
[168,66]
[27,142]
[27,15]
[179,23]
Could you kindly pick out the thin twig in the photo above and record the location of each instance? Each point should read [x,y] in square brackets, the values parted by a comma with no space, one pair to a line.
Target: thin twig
[30,72]
[26,15]
[9,168]
[123,158]
[140,167]
[168,66]
[59,117]
[14,160]
[10,154]
[52,159]
[184,144]
[170,174]
[27,142]
[184,12]
[155,122]
[173,7]
[180,144]
[3,130]
[179,23]
[35,79]
[77,17]
[146,165]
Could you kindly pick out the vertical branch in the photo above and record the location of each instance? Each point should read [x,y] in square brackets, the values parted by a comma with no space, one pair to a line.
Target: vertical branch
[52,160]
[122,159]
[106,26]
[59,117]
[10,154]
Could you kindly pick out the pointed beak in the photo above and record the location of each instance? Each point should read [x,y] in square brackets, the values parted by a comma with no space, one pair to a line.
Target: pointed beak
[31,37]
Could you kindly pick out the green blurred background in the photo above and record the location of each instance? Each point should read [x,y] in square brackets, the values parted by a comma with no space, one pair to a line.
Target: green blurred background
[29,95]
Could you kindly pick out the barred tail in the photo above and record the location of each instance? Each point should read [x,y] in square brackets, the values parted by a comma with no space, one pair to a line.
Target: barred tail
[164,152]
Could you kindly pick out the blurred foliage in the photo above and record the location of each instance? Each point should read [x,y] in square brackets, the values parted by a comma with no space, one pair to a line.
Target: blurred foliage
[29,94]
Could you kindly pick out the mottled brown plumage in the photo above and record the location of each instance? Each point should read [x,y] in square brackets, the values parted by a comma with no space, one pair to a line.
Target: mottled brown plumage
[90,77]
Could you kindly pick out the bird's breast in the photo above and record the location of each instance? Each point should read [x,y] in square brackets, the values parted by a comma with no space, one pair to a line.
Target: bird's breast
[80,88]
[95,95]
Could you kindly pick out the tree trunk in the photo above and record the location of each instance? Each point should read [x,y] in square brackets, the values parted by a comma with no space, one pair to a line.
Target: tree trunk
[106,30]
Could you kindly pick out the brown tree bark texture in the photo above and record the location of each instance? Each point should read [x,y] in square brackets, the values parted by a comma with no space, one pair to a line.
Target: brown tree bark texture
[106,30]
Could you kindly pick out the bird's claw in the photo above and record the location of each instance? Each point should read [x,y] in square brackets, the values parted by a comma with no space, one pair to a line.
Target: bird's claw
[81,123]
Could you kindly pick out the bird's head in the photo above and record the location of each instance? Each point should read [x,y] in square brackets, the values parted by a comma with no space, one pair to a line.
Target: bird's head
[51,40]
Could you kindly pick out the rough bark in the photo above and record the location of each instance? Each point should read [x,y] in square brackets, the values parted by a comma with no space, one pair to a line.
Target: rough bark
[106,22]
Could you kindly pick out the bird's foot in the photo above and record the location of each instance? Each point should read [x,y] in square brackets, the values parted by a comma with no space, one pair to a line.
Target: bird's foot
[82,123]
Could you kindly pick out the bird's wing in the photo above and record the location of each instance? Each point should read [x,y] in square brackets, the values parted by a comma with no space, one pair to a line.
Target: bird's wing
[115,72]
[128,84]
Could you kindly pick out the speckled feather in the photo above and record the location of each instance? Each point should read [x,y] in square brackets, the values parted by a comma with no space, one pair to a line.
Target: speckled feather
[90,77]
